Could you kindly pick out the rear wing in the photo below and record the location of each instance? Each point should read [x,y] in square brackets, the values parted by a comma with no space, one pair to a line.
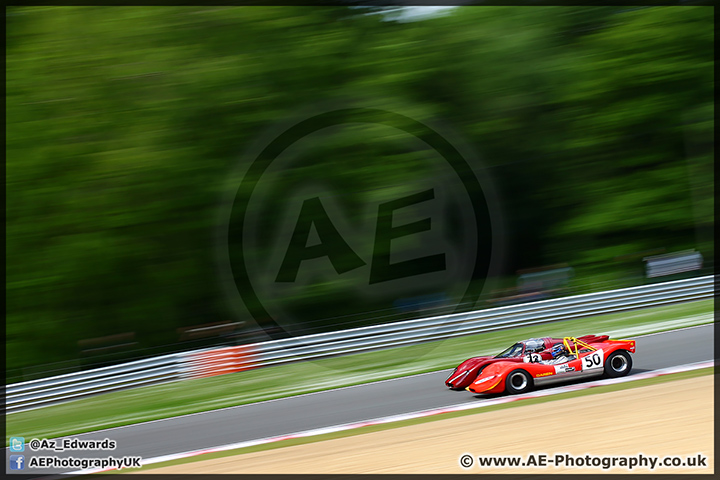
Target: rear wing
[594,338]
[628,345]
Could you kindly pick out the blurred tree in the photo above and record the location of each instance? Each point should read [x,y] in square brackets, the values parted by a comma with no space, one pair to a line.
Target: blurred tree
[629,95]
[123,123]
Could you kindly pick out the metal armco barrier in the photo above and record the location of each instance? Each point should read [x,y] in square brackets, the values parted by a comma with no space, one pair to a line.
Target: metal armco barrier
[217,361]
[48,391]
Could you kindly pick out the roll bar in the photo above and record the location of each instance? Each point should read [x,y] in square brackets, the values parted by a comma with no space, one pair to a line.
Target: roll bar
[567,340]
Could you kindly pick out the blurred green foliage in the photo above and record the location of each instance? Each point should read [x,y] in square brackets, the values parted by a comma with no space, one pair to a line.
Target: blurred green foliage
[123,123]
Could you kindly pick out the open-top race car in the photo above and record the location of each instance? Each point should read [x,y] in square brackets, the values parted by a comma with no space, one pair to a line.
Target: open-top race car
[570,358]
[469,370]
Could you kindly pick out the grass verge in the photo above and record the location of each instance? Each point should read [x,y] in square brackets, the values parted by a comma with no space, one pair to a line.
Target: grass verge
[198,395]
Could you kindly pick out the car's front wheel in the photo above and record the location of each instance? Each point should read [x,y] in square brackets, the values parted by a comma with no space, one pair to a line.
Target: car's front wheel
[518,381]
[618,364]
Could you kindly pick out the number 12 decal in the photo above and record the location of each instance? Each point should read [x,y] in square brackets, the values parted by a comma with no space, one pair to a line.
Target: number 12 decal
[593,360]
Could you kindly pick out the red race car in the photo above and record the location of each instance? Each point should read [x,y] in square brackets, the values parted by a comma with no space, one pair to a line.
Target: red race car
[468,371]
[570,358]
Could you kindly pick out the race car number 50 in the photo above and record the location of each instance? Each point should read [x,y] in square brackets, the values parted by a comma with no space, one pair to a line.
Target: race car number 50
[593,360]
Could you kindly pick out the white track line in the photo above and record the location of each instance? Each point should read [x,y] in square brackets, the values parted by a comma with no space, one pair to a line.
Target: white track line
[419,414]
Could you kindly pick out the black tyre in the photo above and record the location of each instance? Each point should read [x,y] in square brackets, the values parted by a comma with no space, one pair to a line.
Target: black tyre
[518,381]
[618,364]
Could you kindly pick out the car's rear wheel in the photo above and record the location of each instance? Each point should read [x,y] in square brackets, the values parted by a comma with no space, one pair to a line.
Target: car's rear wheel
[618,364]
[518,381]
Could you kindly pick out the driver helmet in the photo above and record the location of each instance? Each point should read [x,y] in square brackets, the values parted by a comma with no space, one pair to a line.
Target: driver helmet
[558,350]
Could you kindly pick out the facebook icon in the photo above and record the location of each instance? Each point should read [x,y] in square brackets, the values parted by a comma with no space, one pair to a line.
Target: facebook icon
[17,462]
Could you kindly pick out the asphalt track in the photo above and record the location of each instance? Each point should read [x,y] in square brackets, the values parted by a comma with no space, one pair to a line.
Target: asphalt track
[344,405]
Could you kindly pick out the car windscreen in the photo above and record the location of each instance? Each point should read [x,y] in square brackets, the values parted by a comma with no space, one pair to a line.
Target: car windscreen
[514,351]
